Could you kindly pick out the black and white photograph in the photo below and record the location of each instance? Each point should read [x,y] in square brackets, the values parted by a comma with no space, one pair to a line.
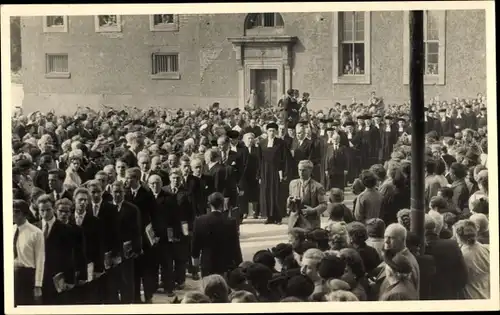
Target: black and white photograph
[221,153]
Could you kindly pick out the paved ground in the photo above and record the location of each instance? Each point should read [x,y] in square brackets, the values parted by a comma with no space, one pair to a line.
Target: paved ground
[255,235]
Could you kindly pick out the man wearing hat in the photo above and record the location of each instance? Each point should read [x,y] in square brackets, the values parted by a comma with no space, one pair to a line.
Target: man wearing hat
[290,108]
[352,151]
[445,123]
[482,118]
[388,138]
[470,118]
[370,142]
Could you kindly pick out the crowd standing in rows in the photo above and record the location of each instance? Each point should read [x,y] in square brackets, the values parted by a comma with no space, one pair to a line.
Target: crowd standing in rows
[110,204]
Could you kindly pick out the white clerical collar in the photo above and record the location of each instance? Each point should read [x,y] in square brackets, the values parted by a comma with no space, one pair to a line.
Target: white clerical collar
[233,148]
[211,164]
[135,191]
[118,205]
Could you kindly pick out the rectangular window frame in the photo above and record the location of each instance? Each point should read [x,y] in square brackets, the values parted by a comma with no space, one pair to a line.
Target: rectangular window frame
[55,29]
[56,75]
[440,78]
[339,78]
[170,27]
[165,75]
[108,29]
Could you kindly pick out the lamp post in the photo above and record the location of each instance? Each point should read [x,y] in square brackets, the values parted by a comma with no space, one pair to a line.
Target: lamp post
[418,125]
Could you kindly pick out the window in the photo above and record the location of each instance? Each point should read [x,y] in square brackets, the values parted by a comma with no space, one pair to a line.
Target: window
[351,47]
[108,23]
[57,66]
[255,20]
[264,24]
[164,22]
[55,24]
[165,66]
[434,46]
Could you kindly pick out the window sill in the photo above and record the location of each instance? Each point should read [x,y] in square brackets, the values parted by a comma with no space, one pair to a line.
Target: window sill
[58,75]
[430,80]
[166,76]
[173,27]
[353,79]
[109,30]
[61,29]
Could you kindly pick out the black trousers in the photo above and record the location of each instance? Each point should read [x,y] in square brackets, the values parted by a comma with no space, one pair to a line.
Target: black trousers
[24,284]
[173,260]
[119,283]
[145,270]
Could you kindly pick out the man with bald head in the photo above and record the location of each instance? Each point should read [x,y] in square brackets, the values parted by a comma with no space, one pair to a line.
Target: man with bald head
[395,243]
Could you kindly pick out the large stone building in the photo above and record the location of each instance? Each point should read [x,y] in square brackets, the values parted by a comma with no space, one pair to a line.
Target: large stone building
[180,60]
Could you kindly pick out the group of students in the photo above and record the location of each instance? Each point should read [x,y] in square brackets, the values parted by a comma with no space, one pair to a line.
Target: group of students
[105,204]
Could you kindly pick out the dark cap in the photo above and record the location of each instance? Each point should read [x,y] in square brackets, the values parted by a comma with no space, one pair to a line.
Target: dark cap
[349,123]
[233,134]
[377,116]
[442,110]
[282,250]
[95,154]
[272,125]
[398,263]
[468,106]
[213,142]
[426,109]
[401,119]
[303,122]
[389,117]
[329,129]
[24,164]
[336,123]
[484,108]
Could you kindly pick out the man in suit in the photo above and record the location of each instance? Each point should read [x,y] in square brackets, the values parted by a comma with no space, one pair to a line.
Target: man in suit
[306,201]
[76,295]
[222,181]
[103,180]
[446,124]
[301,149]
[451,270]
[29,256]
[135,143]
[249,195]
[129,230]
[290,109]
[93,232]
[164,222]
[59,251]
[458,172]
[145,165]
[197,184]
[216,244]
[56,179]
[156,169]
[140,196]
[336,164]
[107,214]
[41,179]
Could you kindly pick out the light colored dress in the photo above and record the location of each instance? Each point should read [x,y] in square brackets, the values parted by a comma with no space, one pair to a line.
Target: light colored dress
[477,260]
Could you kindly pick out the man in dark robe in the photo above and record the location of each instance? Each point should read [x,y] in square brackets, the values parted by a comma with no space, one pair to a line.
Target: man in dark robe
[352,151]
[446,124]
[272,171]
[388,139]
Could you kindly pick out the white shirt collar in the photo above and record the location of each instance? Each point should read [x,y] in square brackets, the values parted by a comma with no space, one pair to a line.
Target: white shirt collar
[50,222]
[118,205]
[210,165]
[233,148]
[80,215]
[305,182]
[134,191]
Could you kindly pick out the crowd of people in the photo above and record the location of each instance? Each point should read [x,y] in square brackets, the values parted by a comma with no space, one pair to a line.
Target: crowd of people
[110,204]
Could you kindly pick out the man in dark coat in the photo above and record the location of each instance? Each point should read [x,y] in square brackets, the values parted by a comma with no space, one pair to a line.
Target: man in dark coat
[59,251]
[290,109]
[446,124]
[451,272]
[216,244]
[143,199]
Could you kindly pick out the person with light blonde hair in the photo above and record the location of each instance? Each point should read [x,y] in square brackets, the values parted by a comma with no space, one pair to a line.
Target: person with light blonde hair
[477,260]
[216,288]
[75,159]
[242,297]
[195,297]
[341,296]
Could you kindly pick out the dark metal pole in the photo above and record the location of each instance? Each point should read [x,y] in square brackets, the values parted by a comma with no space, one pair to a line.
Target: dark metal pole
[417,121]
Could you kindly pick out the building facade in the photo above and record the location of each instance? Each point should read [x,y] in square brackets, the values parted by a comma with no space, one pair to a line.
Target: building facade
[194,60]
